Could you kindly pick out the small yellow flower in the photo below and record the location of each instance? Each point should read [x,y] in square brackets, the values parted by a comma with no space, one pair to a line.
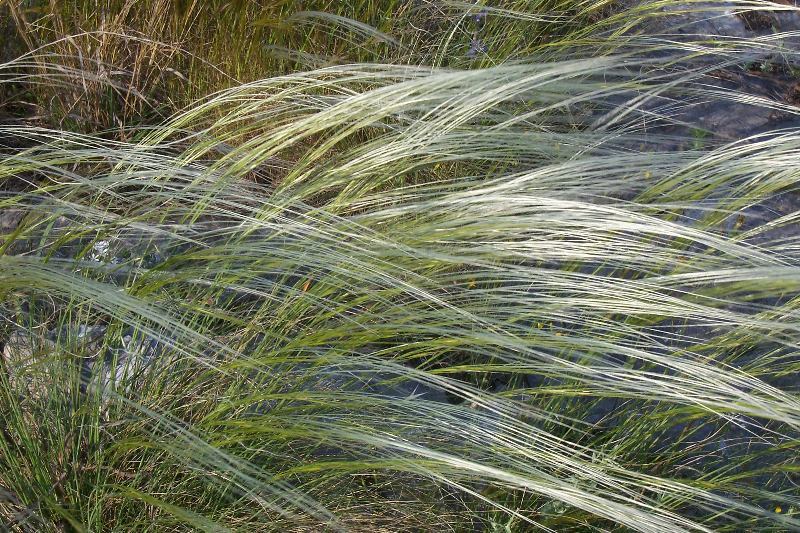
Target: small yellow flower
[778,509]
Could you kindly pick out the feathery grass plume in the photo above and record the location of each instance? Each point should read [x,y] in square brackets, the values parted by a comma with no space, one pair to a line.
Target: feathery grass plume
[377,297]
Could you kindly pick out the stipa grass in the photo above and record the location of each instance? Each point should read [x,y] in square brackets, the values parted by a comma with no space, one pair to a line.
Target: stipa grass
[377,297]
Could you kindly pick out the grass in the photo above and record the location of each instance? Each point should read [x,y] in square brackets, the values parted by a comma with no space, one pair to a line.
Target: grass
[127,61]
[403,290]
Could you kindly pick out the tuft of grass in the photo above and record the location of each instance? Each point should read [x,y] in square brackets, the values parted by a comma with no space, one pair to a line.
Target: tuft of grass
[114,63]
[404,295]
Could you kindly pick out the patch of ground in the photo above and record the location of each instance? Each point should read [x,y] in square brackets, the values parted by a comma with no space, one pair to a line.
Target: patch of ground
[793,95]
[758,20]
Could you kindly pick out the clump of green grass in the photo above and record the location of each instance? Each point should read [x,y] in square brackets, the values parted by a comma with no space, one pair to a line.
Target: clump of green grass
[122,62]
[386,297]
